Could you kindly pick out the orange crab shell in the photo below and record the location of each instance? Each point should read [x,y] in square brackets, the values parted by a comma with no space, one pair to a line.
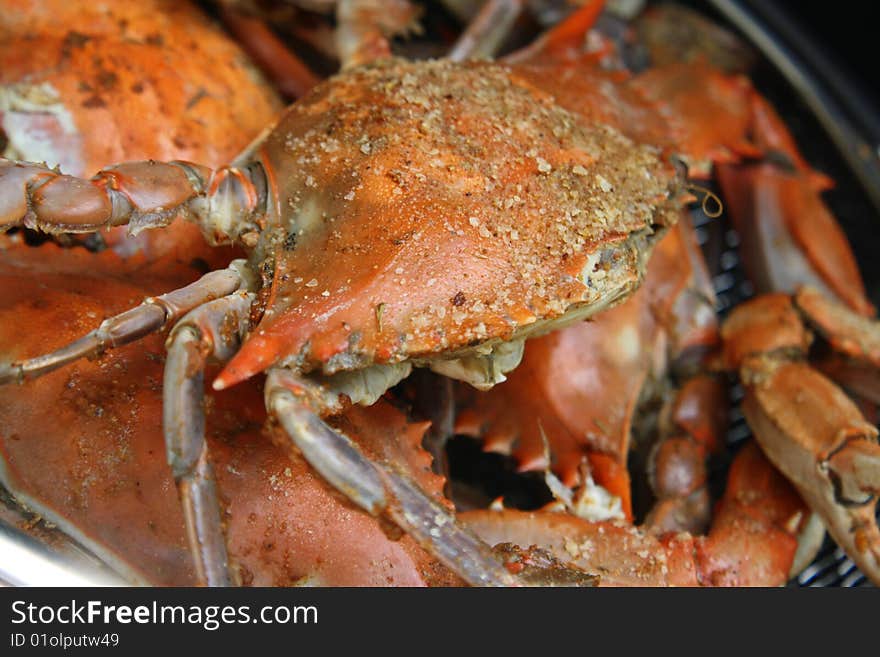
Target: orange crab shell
[114,67]
[432,206]
[688,108]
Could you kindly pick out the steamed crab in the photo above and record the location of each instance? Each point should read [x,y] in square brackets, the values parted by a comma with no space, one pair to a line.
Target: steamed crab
[331,338]
[352,208]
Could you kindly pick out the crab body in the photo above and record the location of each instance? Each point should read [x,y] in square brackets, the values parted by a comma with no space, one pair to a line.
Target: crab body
[82,447]
[432,209]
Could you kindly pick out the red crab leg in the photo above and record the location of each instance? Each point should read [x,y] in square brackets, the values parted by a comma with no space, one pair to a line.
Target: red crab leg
[565,39]
[212,330]
[288,73]
[152,315]
[854,359]
[849,333]
[693,421]
[379,488]
[758,528]
[789,237]
[677,469]
[818,438]
[487,31]
[772,136]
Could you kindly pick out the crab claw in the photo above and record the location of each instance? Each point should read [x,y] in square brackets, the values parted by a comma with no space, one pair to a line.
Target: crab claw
[790,236]
[817,437]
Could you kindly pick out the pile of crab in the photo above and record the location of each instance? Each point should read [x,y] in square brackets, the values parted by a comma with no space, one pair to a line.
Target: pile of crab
[252,373]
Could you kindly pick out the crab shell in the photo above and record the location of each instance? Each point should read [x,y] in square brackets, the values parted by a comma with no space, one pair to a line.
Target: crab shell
[433,209]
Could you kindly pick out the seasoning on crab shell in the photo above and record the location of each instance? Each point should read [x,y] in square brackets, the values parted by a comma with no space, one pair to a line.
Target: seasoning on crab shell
[437,207]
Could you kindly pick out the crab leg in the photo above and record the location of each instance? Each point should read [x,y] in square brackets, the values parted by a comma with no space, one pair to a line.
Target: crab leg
[378,487]
[187,454]
[818,438]
[289,73]
[677,469]
[141,194]
[790,237]
[752,542]
[362,26]
[565,38]
[857,465]
[333,455]
[211,331]
[487,31]
[854,358]
[152,315]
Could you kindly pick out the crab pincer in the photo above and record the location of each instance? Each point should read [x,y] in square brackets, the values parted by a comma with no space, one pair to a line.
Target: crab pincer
[808,427]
